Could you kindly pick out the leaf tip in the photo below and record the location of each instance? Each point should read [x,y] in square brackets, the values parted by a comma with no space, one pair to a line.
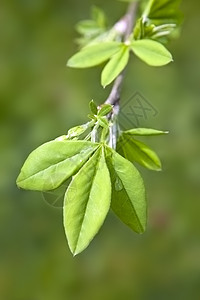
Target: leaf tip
[69,64]
[18,180]
[17,184]
[103,83]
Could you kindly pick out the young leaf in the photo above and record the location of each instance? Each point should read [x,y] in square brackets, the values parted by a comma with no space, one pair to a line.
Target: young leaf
[93,27]
[103,122]
[105,109]
[93,107]
[47,167]
[78,130]
[93,55]
[160,21]
[151,52]
[87,202]
[144,131]
[163,11]
[136,151]
[92,117]
[115,66]
[88,28]
[99,16]
[128,192]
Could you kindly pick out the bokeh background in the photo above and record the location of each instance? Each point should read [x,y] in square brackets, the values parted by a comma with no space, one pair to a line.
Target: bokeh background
[40,99]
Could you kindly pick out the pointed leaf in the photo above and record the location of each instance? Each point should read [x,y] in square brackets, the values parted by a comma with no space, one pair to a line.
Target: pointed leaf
[105,109]
[93,55]
[144,131]
[128,192]
[115,66]
[136,151]
[87,202]
[48,166]
[93,107]
[151,52]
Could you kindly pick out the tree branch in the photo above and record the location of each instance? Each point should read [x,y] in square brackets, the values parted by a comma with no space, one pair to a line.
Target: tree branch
[125,26]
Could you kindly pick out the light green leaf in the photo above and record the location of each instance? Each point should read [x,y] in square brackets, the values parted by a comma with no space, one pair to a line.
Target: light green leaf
[87,202]
[115,66]
[62,138]
[92,117]
[90,56]
[99,16]
[105,109]
[151,52]
[103,122]
[78,130]
[95,26]
[144,131]
[47,167]
[93,107]
[88,27]
[136,151]
[128,192]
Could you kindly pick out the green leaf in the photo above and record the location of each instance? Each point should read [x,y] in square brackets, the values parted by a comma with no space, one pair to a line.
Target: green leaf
[95,26]
[136,151]
[105,109]
[93,107]
[87,202]
[88,28]
[151,52]
[62,138]
[165,10]
[160,21]
[92,117]
[115,66]
[78,130]
[93,55]
[47,167]
[99,16]
[128,192]
[144,131]
[103,122]
[138,29]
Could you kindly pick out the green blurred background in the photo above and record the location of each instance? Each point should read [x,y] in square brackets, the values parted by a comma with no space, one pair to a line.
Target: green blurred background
[40,99]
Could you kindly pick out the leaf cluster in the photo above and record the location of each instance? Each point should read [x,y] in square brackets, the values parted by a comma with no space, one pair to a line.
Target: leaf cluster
[158,22]
[92,29]
[102,173]
[100,176]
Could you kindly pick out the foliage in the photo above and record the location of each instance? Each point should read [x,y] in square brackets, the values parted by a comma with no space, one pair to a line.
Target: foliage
[159,22]
[102,175]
